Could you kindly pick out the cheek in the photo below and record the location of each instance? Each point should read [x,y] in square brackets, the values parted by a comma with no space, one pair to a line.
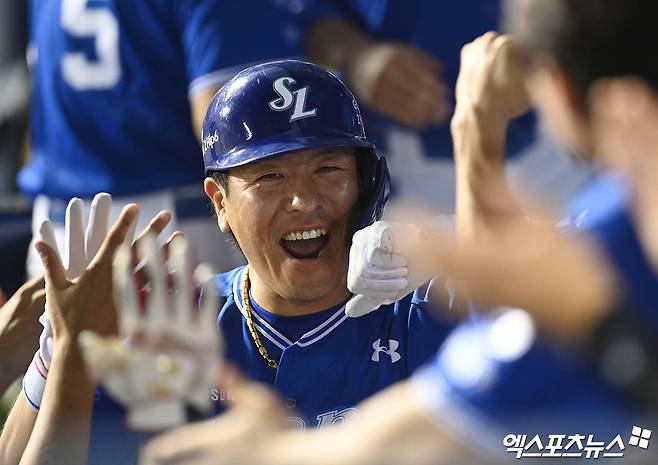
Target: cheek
[344,193]
[246,214]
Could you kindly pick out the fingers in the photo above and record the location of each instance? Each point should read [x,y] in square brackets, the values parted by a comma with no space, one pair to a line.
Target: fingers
[182,280]
[47,234]
[101,355]
[157,304]
[55,275]
[157,224]
[99,219]
[361,305]
[209,302]
[38,302]
[116,236]
[75,238]
[125,292]
[33,285]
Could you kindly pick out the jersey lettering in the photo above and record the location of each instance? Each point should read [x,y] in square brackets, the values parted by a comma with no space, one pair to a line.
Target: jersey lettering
[78,70]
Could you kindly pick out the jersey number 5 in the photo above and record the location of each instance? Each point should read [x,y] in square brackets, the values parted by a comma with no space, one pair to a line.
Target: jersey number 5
[78,70]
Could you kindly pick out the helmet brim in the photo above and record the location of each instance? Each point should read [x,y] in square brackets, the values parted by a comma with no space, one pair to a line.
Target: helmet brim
[283,145]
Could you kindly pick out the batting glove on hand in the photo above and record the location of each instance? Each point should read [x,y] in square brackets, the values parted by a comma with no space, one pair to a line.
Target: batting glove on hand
[167,356]
[384,265]
[80,248]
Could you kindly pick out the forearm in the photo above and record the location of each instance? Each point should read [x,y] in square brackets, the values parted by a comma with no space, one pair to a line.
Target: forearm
[16,431]
[390,428]
[61,431]
[334,43]
[482,192]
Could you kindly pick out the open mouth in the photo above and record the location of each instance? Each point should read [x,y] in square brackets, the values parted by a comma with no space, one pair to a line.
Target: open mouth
[306,244]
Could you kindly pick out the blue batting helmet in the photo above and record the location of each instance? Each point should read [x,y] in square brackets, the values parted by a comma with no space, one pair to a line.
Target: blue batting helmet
[288,105]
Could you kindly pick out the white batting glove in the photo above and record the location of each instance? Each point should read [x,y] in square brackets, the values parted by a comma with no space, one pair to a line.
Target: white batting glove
[169,355]
[383,266]
[80,247]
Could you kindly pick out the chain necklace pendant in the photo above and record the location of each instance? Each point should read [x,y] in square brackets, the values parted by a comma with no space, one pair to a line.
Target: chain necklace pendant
[250,324]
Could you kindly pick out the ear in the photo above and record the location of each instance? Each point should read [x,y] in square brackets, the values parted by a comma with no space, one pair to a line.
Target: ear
[573,99]
[216,194]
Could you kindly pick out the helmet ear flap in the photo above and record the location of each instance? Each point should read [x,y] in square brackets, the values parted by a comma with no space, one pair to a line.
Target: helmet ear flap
[374,187]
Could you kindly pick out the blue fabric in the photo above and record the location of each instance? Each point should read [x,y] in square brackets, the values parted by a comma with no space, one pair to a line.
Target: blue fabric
[602,210]
[440,28]
[330,368]
[136,135]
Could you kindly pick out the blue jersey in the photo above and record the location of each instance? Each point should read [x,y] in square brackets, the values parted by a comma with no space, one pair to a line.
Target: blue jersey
[525,385]
[111,79]
[328,362]
[440,28]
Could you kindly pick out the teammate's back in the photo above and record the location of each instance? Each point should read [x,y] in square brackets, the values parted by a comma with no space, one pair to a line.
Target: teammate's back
[110,80]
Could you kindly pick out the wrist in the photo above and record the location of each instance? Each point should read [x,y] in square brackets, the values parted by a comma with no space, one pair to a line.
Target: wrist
[472,124]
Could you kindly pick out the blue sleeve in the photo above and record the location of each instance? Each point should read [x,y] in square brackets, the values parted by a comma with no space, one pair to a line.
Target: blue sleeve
[501,372]
[200,23]
[308,13]
[602,211]
[426,330]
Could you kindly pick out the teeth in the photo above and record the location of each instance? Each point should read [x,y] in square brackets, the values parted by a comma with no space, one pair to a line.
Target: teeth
[304,235]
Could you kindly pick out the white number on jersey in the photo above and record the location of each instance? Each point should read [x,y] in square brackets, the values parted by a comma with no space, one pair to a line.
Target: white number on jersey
[78,71]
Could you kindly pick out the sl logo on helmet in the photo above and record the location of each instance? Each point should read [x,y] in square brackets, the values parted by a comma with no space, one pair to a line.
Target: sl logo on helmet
[289,97]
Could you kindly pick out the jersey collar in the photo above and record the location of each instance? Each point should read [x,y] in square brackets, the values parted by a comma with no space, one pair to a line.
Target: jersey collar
[274,336]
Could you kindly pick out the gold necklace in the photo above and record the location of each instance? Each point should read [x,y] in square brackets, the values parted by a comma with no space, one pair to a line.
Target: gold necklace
[250,324]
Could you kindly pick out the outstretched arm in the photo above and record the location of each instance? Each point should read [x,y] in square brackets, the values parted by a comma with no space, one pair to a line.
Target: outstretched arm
[490,93]
[61,431]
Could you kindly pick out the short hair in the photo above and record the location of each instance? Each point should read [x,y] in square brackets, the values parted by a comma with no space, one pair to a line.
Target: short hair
[590,39]
[221,178]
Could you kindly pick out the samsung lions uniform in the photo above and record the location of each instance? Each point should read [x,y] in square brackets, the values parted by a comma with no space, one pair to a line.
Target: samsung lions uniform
[328,362]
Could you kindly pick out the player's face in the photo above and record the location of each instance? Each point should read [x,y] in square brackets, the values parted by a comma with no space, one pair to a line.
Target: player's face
[291,215]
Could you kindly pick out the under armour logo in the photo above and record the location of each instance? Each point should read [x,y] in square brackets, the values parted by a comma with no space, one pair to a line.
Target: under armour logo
[289,97]
[391,351]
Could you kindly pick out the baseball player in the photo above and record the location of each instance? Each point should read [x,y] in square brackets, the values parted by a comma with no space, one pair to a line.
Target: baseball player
[515,379]
[291,176]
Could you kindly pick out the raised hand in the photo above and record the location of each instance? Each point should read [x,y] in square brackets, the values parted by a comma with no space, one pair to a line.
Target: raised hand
[384,266]
[168,355]
[19,329]
[401,82]
[79,249]
[490,82]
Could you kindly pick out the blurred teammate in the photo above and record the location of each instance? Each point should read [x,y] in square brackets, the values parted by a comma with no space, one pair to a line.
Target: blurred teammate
[403,61]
